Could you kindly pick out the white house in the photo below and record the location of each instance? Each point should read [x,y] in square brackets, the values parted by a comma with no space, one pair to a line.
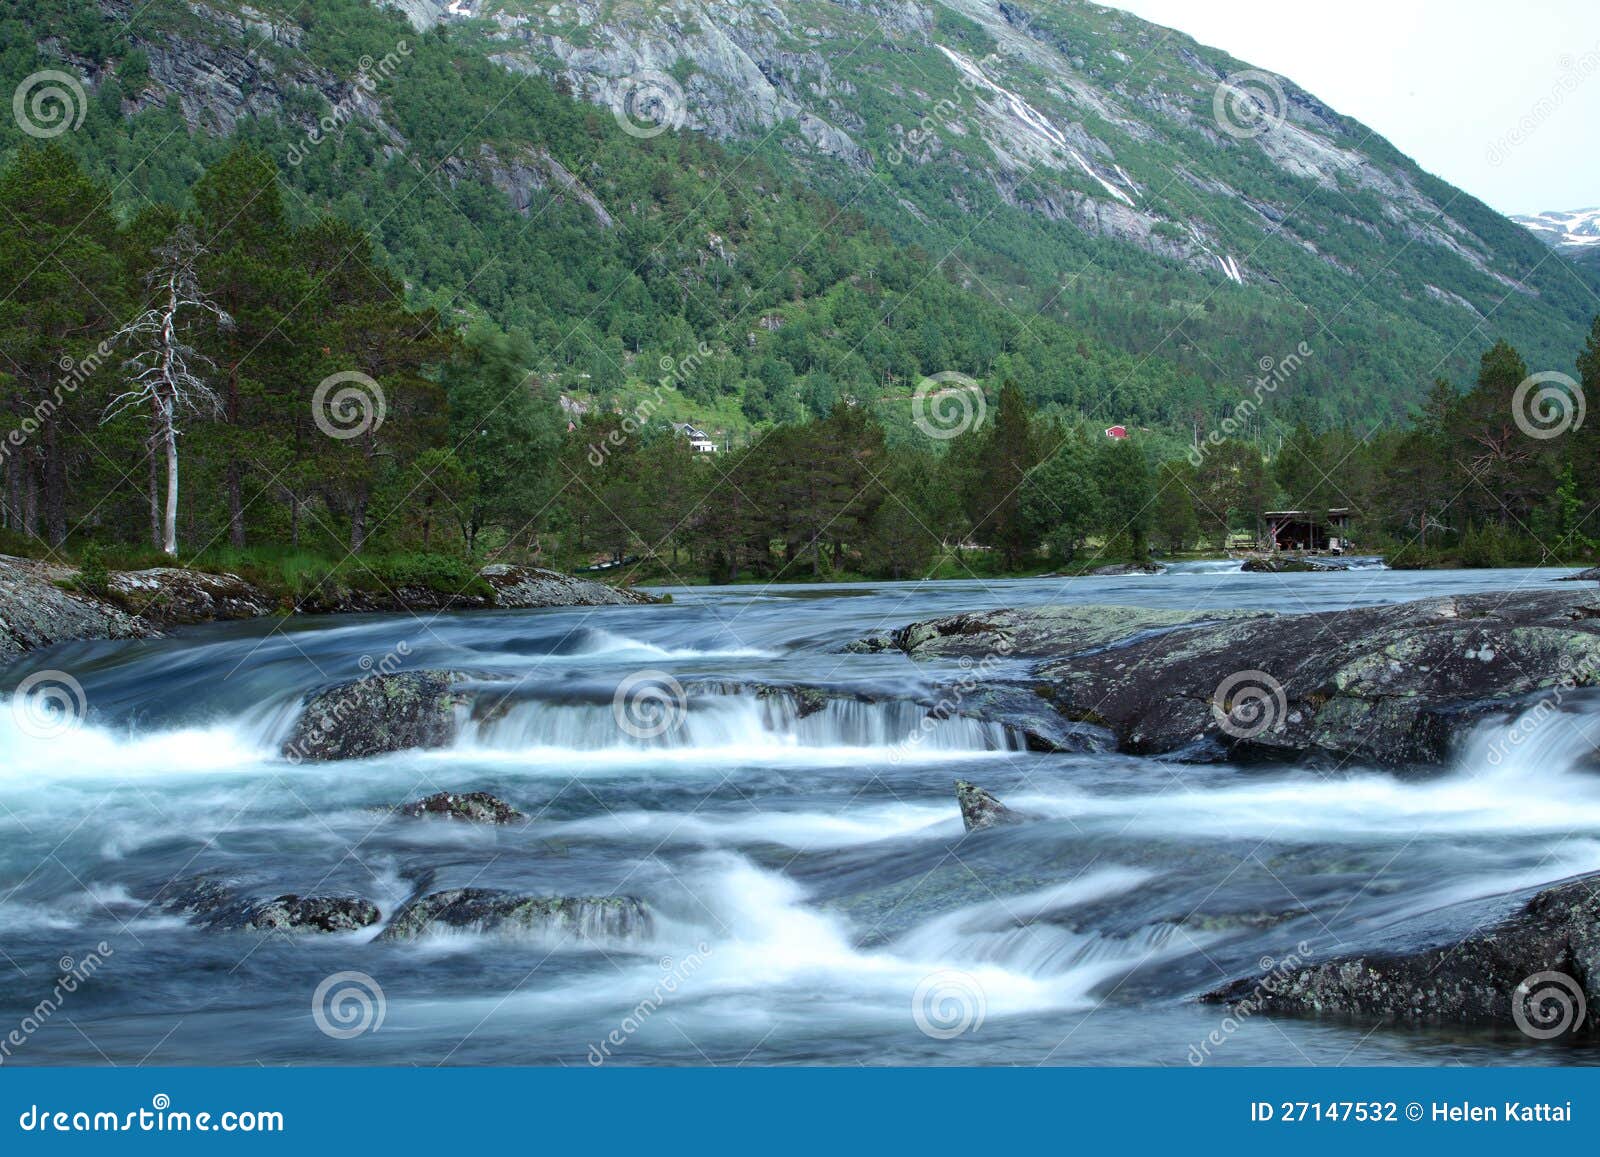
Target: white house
[699,441]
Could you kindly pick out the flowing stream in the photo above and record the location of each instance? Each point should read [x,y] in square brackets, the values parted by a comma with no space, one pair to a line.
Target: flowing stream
[813,898]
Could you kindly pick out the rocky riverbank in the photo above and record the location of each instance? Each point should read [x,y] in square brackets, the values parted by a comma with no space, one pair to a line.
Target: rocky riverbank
[1388,685]
[38,610]
[36,613]
[1536,969]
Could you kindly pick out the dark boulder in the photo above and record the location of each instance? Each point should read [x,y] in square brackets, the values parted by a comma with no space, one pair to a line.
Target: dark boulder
[1387,684]
[375,716]
[312,914]
[1390,684]
[212,904]
[1592,575]
[489,910]
[1122,568]
[981,810]
[1287,566]
[1537,970]
[478,807]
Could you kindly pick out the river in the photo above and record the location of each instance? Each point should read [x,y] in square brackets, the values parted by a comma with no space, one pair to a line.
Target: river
[815,901]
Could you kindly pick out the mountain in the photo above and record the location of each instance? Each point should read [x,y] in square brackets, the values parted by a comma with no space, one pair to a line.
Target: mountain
[1071,157]
[1574,233]
[836,196]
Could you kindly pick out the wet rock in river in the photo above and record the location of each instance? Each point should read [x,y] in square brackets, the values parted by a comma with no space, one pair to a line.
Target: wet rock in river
[312,914]
[491,910]
[1537,970]
[1123,568]
[1386,684]
[211,904]
[1033,632]
[981,810]
[1288,566]
[478,807]
[375,716]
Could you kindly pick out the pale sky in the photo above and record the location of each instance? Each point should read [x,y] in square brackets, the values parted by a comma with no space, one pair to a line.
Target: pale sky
[1451,83]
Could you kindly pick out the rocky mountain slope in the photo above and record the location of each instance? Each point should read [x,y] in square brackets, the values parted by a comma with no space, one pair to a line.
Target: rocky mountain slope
[1068,153]
[1064,164]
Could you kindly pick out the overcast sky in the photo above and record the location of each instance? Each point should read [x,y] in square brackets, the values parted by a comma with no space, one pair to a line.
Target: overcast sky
[1449,82]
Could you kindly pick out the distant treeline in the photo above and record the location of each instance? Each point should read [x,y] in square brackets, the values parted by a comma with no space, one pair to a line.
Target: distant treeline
[332,418]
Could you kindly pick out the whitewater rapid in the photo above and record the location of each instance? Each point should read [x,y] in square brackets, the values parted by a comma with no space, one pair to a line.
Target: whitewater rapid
[814,896]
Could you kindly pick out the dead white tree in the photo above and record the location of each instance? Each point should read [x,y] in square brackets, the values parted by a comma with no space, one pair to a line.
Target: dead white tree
[162,369]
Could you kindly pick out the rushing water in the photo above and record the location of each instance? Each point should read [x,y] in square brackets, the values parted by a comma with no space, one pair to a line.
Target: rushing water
[815,901]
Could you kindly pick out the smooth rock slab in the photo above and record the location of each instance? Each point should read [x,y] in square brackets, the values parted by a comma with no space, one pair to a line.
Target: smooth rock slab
[35,613]
[1387,685]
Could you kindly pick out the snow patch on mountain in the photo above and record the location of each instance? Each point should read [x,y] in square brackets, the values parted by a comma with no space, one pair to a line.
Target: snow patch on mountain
[1573,229]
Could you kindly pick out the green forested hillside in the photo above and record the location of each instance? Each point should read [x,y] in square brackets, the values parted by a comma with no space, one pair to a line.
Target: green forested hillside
[433,308]
[801,302]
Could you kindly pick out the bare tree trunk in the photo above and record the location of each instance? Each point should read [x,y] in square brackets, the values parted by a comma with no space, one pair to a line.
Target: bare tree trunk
[155,499]
[170,546]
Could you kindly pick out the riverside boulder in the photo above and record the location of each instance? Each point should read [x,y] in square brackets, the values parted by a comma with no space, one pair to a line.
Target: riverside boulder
[1387,684]
[172,596]
[36,613]
[1538,969]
